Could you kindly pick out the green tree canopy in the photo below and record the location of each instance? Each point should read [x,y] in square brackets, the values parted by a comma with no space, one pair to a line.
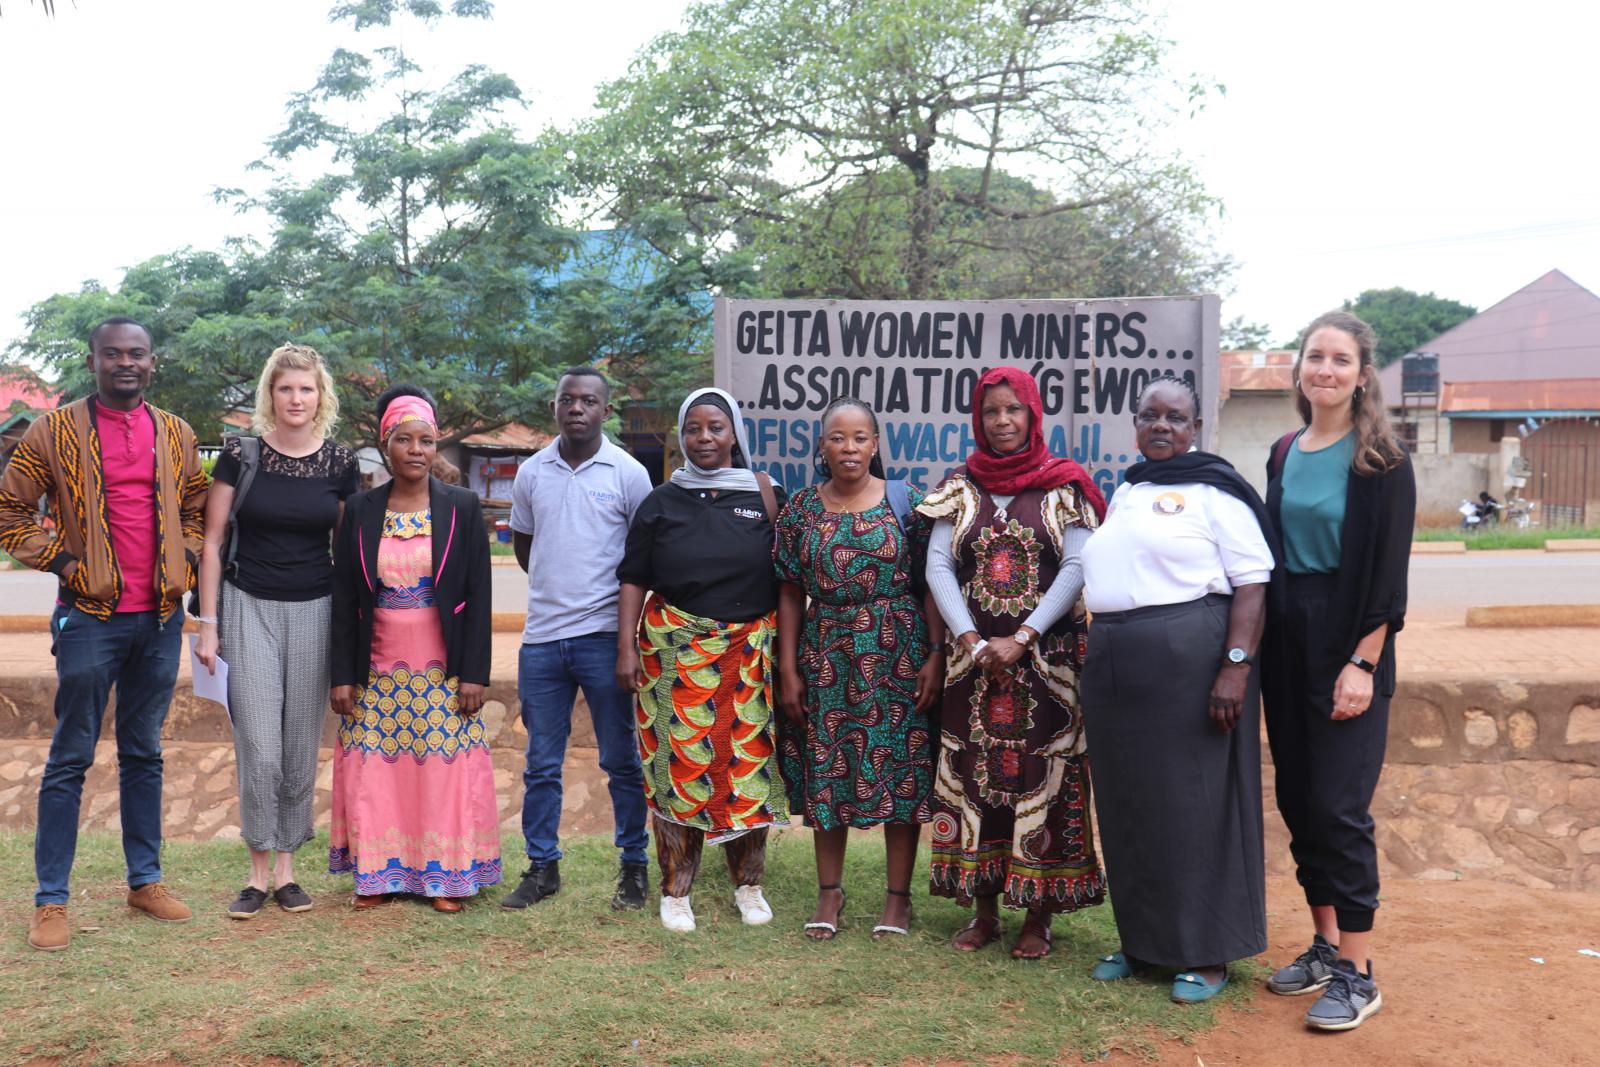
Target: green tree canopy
[430,251]
[213,319]
[1405,320]
[869,148]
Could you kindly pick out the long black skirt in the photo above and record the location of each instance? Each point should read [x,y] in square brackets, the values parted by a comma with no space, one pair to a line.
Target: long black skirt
[1178,800]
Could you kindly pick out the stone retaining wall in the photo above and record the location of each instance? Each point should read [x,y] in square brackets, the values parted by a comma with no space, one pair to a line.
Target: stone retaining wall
[1489,780]
[1484,779]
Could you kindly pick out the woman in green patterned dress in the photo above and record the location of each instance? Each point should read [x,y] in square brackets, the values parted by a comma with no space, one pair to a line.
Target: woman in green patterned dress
[856,690]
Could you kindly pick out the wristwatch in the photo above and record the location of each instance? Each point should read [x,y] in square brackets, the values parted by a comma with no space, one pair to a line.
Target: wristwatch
[1022,638]
[1365,664]
[1238,655]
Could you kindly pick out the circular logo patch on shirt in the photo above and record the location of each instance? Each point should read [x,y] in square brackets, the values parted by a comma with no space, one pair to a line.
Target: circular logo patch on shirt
[1168,503]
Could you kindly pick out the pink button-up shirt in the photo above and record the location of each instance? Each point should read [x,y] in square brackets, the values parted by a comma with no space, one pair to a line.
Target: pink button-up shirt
[128,457]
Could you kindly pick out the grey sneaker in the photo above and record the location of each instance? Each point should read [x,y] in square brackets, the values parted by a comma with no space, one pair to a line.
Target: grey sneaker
[1310,971]
[1350,997]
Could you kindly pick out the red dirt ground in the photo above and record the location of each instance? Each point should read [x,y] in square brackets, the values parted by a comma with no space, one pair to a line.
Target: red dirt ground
[1458,985]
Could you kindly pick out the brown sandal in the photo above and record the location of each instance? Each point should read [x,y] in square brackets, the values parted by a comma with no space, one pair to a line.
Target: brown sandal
[375,900]
[1039,929]
[993,925]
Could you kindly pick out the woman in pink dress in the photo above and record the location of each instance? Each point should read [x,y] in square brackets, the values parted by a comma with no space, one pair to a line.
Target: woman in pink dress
[414,807]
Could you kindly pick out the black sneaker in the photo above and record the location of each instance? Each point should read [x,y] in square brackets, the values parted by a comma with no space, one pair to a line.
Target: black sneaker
[1350,997]
[291,897]
[538,881]
[633,884]
[1310,971]
[248,904]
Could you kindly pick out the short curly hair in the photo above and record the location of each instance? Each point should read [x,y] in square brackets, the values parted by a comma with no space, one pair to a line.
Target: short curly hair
[296,357]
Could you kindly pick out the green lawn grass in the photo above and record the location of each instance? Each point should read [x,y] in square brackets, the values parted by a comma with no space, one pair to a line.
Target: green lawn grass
[566,982]
[1498,537]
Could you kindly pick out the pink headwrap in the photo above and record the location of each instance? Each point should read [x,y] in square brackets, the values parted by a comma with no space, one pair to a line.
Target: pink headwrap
[406,409]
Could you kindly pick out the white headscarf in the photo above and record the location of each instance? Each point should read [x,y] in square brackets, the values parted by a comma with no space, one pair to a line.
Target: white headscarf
[692,476]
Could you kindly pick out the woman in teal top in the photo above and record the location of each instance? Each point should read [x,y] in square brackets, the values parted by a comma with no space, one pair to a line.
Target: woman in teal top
[1342,498]
[1314,488]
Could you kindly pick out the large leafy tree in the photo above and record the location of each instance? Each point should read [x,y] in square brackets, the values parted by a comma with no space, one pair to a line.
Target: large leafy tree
[429,251]
[867,148]
[426,253]
[1406,320]
[213,318]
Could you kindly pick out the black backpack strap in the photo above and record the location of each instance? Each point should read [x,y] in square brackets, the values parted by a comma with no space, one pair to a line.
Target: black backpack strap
[1281,449]
[249,463]
[899,501]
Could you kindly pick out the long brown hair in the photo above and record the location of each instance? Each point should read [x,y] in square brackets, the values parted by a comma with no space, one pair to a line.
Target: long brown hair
[1377,448]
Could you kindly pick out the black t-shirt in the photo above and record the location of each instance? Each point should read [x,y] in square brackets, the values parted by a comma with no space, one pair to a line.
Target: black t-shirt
[287,518]
[710,556]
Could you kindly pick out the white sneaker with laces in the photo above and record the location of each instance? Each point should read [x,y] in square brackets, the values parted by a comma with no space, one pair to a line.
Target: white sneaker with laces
[753,907]
[676,914]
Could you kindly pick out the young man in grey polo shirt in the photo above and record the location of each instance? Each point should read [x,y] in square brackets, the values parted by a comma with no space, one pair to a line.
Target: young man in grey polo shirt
[570,509]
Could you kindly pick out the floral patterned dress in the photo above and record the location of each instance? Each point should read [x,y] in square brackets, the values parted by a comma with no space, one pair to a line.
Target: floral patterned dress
[864,756]
[1011,793]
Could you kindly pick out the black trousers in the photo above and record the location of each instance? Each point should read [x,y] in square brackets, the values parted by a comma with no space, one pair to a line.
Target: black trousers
[1327,771]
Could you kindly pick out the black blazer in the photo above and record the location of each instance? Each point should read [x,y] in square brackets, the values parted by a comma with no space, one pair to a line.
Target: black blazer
[1374,557]
[462,582]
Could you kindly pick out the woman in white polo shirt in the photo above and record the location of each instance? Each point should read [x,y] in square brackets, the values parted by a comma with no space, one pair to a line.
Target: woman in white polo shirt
[1176,582]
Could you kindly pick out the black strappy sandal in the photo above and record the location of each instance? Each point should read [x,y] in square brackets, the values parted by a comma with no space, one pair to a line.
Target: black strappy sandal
[883,930]
[838,916]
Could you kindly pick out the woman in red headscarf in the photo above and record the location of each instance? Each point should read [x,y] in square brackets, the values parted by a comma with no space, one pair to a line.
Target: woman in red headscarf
[1011,790]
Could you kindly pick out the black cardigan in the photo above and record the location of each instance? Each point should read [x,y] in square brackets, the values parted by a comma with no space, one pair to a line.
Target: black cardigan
[1374,556]
[462,582]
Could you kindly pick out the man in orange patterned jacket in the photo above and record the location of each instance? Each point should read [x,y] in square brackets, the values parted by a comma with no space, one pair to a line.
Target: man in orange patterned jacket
[124,481]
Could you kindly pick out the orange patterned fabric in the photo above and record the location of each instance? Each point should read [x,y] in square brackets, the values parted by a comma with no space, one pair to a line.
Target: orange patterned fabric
[706,724]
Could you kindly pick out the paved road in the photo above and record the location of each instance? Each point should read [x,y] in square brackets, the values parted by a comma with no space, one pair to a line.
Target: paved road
[1442,587]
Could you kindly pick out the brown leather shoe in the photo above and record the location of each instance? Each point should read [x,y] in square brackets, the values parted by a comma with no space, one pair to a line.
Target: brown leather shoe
[449,905]
[156,902]
[48,931]
[374,900]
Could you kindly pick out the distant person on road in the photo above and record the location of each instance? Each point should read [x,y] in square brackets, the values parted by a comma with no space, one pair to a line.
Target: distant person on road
[266,607]
[414,808]
[1011,786]
[1176,581]
[1343,498]
[1488,508]
[571,504]
[125,482]
[862,663]
[703,660]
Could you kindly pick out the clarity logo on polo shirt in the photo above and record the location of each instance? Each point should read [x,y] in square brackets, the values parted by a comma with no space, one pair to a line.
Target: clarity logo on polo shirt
[1168,503]
[604,496]
[748,513]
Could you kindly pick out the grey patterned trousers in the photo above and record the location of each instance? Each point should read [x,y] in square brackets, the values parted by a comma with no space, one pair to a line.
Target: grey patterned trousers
[277,655]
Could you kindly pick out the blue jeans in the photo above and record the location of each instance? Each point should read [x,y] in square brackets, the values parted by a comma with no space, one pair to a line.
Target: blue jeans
[138,653]
[548,677]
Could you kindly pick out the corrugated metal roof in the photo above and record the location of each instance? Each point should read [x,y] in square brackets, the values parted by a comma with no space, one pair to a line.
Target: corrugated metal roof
[1548,330]
[1564,394]
[1256,372]
[513,437]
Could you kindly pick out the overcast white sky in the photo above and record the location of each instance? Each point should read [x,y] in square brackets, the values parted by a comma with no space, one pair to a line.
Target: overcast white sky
[1363,144]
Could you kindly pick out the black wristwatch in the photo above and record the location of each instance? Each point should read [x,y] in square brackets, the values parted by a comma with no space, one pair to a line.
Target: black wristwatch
[1364,664]
[1238,656]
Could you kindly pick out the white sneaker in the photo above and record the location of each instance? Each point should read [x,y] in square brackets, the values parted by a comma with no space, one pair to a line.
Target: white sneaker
[677,915]
[752,905]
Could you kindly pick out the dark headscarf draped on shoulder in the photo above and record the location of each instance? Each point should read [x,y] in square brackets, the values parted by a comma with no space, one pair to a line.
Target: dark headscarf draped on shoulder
[1206,468]
[1033,467]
